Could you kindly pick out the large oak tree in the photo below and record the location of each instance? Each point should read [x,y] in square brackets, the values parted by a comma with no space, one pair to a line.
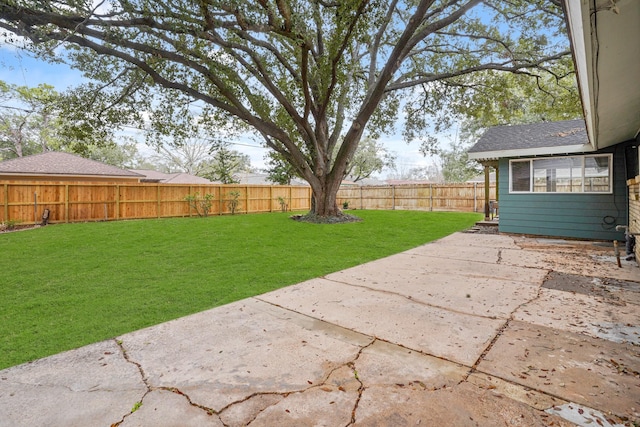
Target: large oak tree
[309,76]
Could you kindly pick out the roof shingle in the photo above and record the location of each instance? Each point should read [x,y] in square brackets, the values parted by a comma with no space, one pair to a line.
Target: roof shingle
[171,178]
[57,163]
[536,135]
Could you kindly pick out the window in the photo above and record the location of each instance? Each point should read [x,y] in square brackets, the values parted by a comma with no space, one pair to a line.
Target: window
[572,174]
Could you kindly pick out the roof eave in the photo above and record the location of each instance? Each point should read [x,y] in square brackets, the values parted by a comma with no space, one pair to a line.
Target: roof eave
[528,152]
[41,174]
[577,19]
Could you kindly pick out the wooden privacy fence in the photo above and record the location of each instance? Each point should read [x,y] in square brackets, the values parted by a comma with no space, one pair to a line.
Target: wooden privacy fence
[25,202]
[430,197]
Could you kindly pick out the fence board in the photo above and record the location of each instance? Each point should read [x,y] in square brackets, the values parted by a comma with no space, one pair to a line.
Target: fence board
[432,197]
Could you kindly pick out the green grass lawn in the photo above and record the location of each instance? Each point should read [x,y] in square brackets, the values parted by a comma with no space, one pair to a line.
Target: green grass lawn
[64,286]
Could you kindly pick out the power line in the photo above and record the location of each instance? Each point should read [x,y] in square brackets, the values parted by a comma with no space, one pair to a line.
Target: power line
[231,143]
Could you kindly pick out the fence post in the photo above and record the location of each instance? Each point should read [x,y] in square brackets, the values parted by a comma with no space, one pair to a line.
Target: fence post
[158,198]
[188,203]
[475,197]
[66,203]
[246,198]
[271,198]
[117,215]
[430,197]
[35,207]
[393,197]
[6,202]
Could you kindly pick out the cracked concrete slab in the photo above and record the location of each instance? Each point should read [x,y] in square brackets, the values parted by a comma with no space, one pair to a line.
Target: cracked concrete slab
[525,258]
[453,250]
[526,395]
[168,409]
[479,296]
[617,292]
[91,383]
[386,364]
[329,404]
[311,408]
[585,259]
[242,413]
[458,337]
[228,354]
[500,241]
[583,314]
[596,373]
[583,416]
[412,262]
[461,405]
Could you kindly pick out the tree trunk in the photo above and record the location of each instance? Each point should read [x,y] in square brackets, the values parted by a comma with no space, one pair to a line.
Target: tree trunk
[324,197]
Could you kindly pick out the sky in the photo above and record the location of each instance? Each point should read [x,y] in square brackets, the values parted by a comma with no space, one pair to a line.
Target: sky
[20,68]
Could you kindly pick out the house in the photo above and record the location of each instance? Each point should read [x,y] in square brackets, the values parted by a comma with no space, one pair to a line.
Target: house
[479,179]
[365,182]
[573,178]
[408,182]
[254,178]
[57,166]
[152,176]
[552,183]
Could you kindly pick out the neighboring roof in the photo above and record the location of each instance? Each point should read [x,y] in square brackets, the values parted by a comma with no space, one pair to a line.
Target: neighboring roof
[480,178]
[262,179]
[57,163]
[568,136]
[408,181]
[170,178]
[365,182]
[370,181]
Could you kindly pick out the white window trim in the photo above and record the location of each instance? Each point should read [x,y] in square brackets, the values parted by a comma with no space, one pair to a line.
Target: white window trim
[531,177]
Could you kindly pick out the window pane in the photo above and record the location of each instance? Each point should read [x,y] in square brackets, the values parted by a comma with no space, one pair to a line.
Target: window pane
[596,174]
[520,176]
[539,180]
[570,174]
[558,175]
[570,177]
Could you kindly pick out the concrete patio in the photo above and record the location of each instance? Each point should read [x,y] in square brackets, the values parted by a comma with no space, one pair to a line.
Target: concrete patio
[473,329]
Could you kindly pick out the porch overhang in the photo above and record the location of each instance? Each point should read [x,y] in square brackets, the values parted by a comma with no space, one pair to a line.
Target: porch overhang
[485,156]
[605,41]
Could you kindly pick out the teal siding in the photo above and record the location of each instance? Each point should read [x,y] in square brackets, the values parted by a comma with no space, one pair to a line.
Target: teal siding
[574,215]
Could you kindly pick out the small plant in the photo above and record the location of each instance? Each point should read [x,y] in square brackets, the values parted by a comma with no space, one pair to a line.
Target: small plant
[202,205]
[9,224]
[345,204]
[136,407]
[233,201]
[283,204]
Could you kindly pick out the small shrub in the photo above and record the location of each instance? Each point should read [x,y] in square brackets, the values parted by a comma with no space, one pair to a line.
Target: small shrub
[233,201]
[9,224]
[345,204]
[202,205]
[283,204]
